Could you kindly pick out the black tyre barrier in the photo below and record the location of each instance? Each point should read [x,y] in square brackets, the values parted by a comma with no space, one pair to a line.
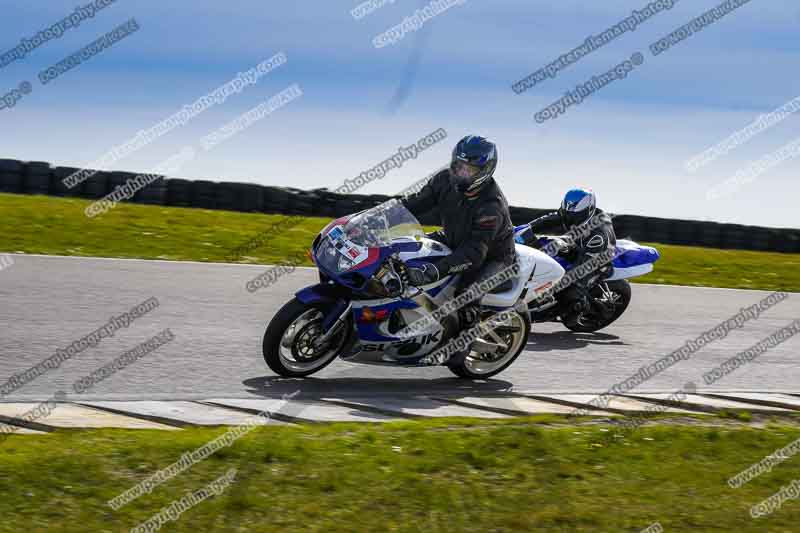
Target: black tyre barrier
[37,167]
[11,166]
[37,184]
[10,182]
[153,194]
[735,237]
[179,192]
[710,235]
[326,206]
[243,199]
[96,186]
[760,239]
[790,243]
[682,232]
[300,205]
[275,200]
[249,198]
[36,178]
[655,229]
[57,186]
[205,194]
[524,215]
[785,241]
[344,206]
[39,178]
[118,179]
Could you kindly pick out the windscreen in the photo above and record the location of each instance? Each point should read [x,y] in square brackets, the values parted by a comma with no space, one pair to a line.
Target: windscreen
[347,246]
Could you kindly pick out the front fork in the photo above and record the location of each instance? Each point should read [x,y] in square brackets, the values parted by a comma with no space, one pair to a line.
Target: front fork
[335,319]
[335,302]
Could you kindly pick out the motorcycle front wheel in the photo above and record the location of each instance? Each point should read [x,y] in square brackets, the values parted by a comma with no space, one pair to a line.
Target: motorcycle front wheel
[292,346]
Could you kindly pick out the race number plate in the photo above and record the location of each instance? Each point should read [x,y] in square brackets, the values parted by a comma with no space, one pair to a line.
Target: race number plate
[353,252]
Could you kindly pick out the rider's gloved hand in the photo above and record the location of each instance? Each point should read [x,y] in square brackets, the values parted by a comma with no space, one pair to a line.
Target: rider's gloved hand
[564,243]
[527,237]
[423,276]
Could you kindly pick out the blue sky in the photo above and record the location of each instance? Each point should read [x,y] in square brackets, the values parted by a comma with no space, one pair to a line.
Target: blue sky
[629,142]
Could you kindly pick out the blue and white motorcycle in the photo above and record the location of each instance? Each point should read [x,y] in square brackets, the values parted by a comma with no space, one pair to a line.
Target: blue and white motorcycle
[363,310]
[602,298]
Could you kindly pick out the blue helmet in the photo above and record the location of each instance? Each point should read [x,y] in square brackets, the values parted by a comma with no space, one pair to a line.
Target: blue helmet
[578,206]
[472,164]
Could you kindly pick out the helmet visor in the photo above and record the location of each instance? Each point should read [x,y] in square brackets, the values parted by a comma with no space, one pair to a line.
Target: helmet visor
[465,170]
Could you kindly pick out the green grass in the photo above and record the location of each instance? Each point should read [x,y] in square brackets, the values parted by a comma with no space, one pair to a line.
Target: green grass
[47,225]
[441,475]
[735,269]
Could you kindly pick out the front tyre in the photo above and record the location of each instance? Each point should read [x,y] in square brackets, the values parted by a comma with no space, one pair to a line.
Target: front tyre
[513,333]
[291,343]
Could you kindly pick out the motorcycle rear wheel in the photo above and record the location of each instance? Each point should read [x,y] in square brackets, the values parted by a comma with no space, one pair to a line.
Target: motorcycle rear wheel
[591,322]
[484,366]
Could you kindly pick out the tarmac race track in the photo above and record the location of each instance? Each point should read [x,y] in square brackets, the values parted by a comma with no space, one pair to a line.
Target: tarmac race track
[49,302]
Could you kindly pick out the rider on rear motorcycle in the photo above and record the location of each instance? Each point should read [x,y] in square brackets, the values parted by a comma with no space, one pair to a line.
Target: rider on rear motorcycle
[476,223]
[588,233]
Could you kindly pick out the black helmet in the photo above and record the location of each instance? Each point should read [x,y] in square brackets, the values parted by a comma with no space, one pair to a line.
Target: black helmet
[578,206]
[473,163]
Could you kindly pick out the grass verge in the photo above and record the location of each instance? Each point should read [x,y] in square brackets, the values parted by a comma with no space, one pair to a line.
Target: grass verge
[58,226]
[437,475]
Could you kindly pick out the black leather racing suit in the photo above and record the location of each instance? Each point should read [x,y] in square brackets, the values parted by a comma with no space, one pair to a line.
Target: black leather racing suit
[592,238]
[478,230]
[596,240]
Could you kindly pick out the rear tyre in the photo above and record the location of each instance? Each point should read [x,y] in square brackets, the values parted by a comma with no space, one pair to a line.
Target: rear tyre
[514,334]
[618,295]
[291,343]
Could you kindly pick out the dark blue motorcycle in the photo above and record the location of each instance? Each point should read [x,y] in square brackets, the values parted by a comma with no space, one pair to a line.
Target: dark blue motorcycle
[364,310]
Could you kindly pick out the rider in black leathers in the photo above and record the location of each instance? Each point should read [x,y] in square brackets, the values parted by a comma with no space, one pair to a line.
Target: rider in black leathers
[576,250]
[476,223]
[588,233]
